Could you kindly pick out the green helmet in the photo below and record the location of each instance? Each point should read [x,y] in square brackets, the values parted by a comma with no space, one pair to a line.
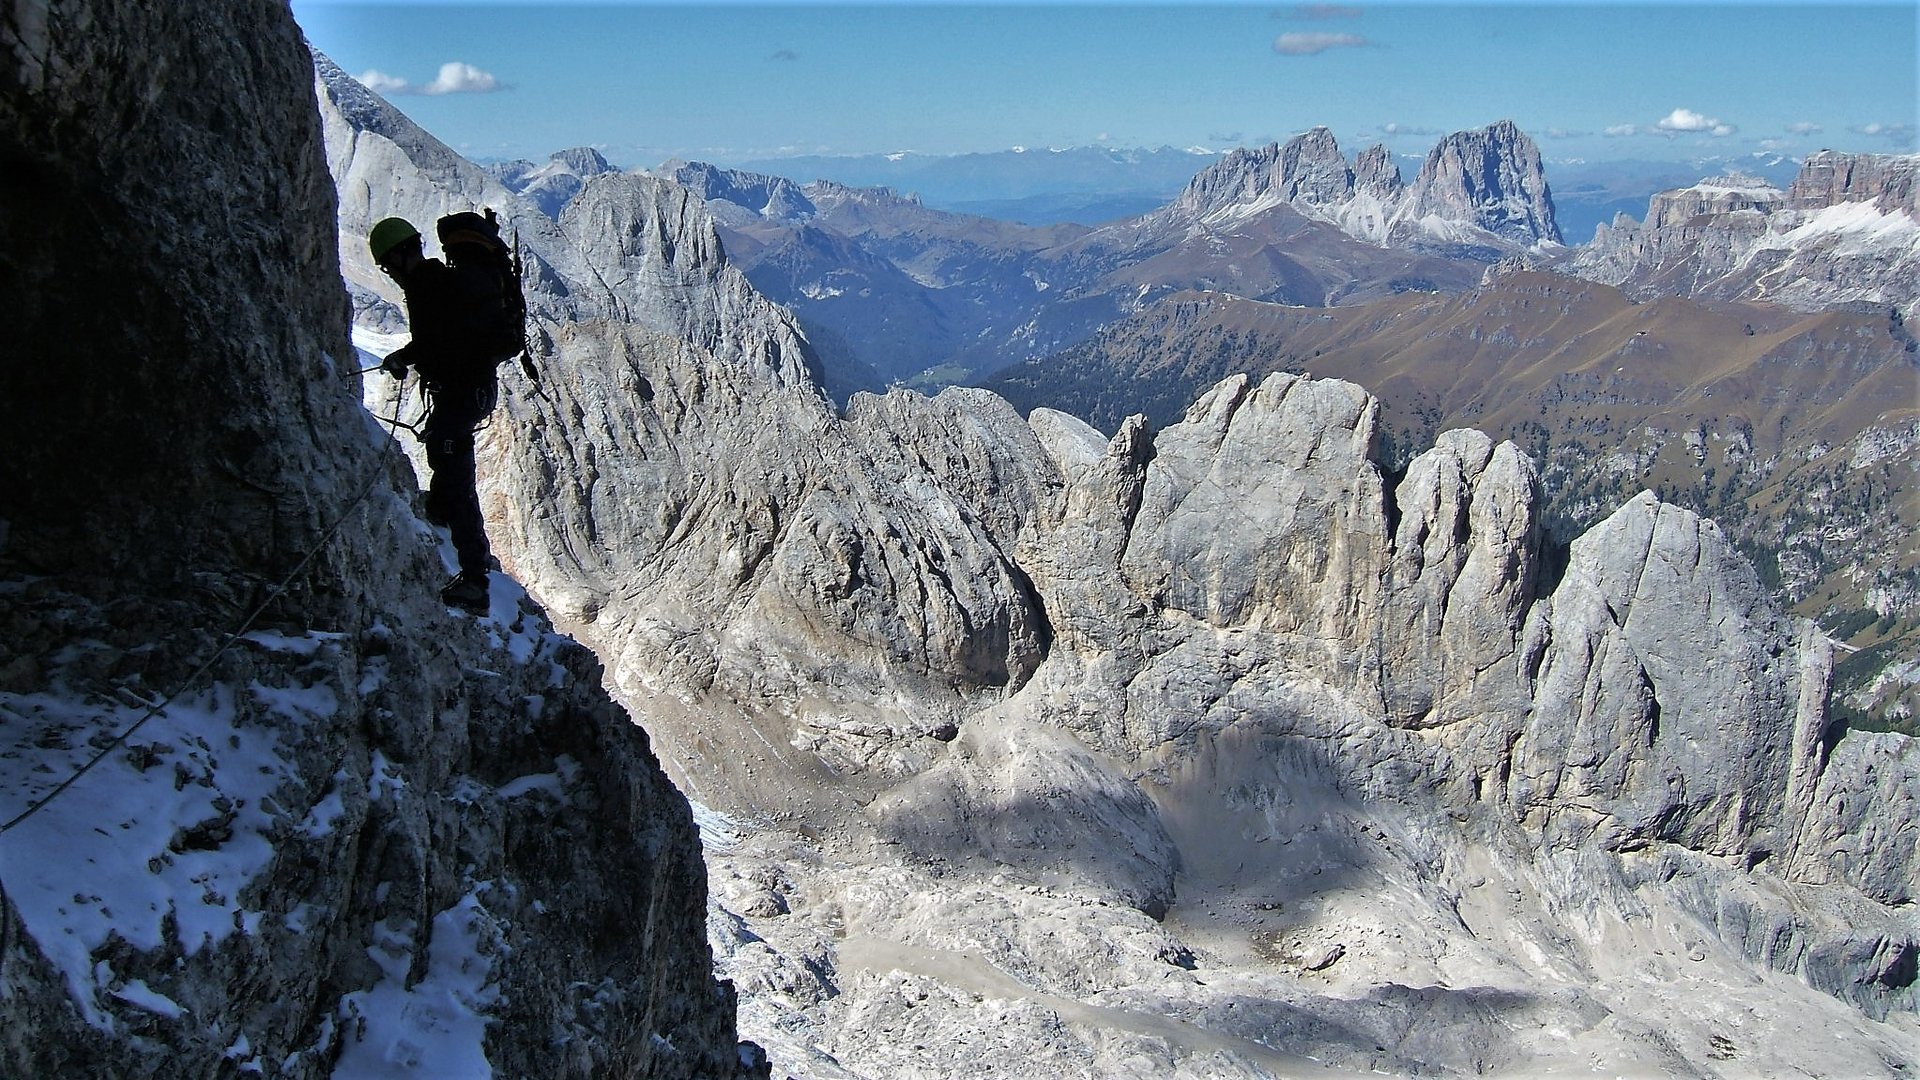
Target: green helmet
[390,233]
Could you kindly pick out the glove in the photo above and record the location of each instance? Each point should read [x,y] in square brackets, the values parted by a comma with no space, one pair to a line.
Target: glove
[396,363]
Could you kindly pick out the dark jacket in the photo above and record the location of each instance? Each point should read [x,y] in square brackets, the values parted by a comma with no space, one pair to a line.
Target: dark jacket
[443,348]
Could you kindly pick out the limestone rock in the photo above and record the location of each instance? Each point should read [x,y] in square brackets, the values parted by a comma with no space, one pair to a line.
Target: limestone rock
[769,196]
[1483,193]
[363,829]
[1847,231]
[1829,178]
[1666,695]
[1491,179]
[1463,579]
[1375,174]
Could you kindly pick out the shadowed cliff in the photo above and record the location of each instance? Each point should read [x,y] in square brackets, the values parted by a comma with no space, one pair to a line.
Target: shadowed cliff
[348,828]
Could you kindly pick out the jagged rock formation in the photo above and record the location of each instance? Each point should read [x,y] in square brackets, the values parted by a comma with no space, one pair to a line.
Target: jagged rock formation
[364,835]
[553,184]
[1491,179]
[1049,751]
[1795,431]
[1483,191]
[1846,231]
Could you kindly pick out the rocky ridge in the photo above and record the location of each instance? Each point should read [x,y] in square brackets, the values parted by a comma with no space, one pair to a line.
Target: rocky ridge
[1846,231]
[1795,431]
[1188,751]
[345,832]
[551,184]
[1482,191]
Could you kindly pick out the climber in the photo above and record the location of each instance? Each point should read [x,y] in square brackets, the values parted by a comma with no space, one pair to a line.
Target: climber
[461,392]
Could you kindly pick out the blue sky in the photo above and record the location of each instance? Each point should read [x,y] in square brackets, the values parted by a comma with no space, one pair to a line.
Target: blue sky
[730,82]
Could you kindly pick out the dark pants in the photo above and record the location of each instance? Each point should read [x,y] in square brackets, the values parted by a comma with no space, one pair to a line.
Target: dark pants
[455,412]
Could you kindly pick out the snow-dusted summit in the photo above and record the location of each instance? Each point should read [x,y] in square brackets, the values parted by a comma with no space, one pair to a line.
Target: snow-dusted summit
[1483,189]
[1847,230]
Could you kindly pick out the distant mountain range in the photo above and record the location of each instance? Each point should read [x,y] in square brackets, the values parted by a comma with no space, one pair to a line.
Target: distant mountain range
[1095,185]
[891,289]
[1085,185]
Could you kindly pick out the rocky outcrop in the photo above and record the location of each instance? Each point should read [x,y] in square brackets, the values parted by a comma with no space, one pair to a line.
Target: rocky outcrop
[1830,178]
[1375,174]
[1845,232]
[344,830]
[1479,191]
[1308,168]
[1709,199]
[1491,180]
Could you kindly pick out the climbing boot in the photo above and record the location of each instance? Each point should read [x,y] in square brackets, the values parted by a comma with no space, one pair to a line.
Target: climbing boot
[468,592]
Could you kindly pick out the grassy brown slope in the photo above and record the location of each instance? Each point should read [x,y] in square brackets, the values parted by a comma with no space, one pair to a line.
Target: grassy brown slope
[1750,414]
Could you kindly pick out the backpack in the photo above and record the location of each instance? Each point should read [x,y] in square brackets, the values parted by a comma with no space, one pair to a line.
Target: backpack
[488,274]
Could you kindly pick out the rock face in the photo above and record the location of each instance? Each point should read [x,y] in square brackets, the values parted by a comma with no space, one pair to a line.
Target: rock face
[1375,174]
[768,196]
[1829,178]
[1308,168]
[1479,191]
[348,832]
[1846,231]
[1191,751]
[1795,431]
[1490,179]
[1729,195]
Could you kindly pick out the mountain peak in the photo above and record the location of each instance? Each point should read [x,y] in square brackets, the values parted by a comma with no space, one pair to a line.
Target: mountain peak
[768,196]
[1492,179]
[1484,190]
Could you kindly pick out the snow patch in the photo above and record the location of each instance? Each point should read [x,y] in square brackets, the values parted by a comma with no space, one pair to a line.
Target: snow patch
[160,839]
[435,1027]
[718,832]
[137,993]
[566,771]
[1860,223]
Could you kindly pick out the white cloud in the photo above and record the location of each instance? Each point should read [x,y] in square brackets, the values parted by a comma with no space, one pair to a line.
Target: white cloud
[382,83]
[458,78]
[1804,127]
[1564,133]
[1899,133]
[1619,130]
[1405,129]
[454,78]
[1681,121]
[1309,44]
